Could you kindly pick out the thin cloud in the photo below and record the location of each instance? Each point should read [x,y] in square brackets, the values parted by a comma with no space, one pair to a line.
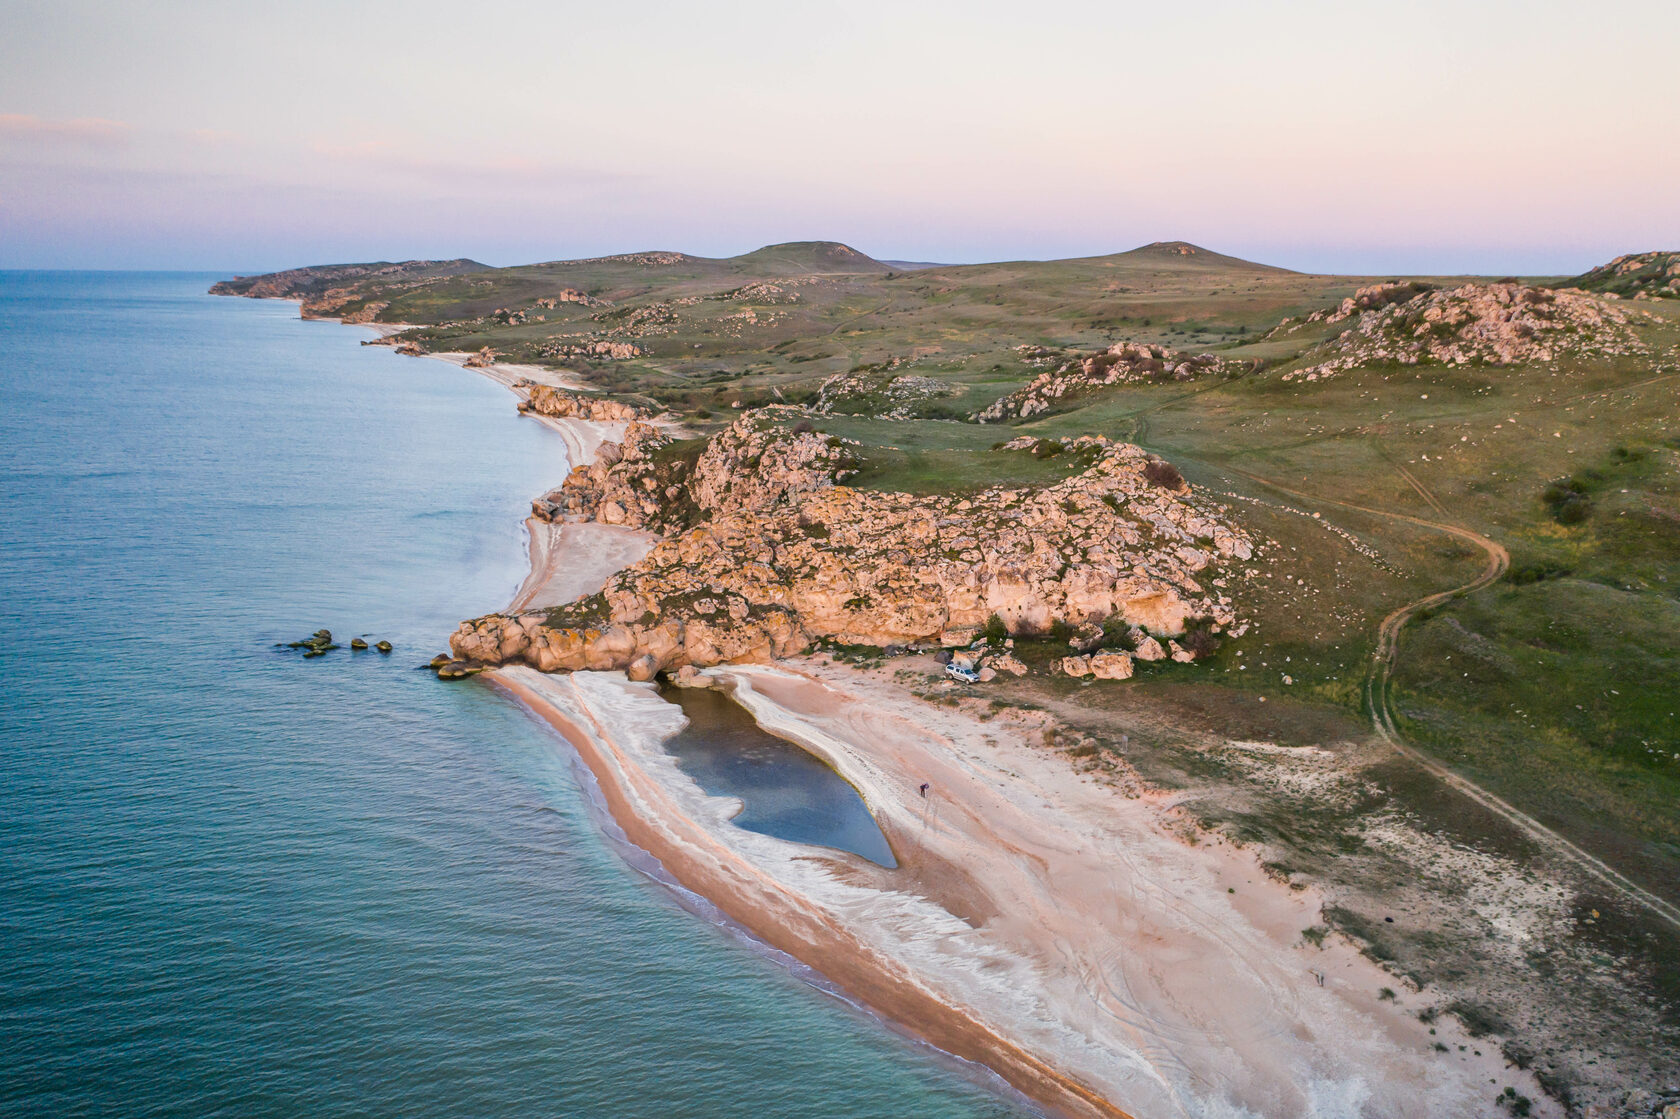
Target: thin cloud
[94,131]
[383,155]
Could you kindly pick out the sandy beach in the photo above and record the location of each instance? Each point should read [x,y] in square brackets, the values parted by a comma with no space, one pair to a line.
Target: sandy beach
[1087,946]
[1077,941]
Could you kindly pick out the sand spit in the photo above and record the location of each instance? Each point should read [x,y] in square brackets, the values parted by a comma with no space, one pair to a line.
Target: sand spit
[1062,934]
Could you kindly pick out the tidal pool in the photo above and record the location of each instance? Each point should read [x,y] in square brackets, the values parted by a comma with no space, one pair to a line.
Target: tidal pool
[787,792]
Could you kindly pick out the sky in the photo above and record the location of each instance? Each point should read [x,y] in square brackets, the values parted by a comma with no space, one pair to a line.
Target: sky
[1477,136]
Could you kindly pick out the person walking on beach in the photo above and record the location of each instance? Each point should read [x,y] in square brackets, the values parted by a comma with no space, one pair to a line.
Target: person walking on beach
[924,790]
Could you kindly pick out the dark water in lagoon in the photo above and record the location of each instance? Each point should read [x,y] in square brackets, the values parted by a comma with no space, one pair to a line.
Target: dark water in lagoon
[785,791]
[237,883]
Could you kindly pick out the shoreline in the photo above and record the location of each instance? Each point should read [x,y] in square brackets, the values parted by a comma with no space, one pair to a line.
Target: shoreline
[1081,1011]
[1048,928]
[654,822]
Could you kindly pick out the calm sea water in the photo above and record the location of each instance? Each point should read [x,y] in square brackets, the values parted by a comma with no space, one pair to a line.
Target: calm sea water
[233,882]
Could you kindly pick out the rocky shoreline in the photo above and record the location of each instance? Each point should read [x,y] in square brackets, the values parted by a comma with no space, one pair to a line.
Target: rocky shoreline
[766,552]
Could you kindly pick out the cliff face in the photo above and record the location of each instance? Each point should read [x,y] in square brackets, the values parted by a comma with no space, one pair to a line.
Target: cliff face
[767,551]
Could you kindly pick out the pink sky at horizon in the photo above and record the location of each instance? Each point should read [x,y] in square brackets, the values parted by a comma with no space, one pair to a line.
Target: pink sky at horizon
[1491,137]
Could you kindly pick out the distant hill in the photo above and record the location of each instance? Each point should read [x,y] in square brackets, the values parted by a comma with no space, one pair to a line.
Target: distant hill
[810,257]
[1185,255]
[307,283]
[1653,275]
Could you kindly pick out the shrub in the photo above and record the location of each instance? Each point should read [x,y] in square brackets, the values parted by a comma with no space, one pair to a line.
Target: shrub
[1537,571]
[1199,638]
[1567,499]
[1163,474]
[996,632]
[802,427]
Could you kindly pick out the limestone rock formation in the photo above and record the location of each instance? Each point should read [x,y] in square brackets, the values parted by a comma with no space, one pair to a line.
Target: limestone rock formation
[1491,324]
[1121,363]
[548,400]
[767,551]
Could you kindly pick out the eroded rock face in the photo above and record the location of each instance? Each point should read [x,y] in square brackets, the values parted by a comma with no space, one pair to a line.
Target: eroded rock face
[1491,324]
[767,550]
[547,400]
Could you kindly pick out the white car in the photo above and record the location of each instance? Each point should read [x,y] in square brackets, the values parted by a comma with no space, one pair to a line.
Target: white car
[958,672]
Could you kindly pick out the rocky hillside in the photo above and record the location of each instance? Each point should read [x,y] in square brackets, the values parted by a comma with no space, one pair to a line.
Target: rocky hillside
[327,290]
[1121,364]
[767,551]
[1488,324]
[1635,276]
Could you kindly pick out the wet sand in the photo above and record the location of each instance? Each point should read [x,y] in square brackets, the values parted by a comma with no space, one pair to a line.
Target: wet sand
[1070,938]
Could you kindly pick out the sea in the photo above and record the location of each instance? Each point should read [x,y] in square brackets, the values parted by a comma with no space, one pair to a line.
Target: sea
[238,882]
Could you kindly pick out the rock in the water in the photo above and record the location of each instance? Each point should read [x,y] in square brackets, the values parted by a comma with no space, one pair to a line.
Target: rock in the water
[382,646]
[358,643]
[690,677]
[459,669]
[440,660]
[644,667]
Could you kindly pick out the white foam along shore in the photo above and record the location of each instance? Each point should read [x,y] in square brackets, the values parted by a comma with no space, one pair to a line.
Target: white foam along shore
[1049,927]
[1066,936]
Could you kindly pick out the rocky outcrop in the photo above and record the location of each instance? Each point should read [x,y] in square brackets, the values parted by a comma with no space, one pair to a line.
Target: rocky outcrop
[610,351]
[652,482]
[1635,276]
[549,400]
[1490,324]
[881,393]
[637,482]
[767,551]
[1122,363]
[566,295]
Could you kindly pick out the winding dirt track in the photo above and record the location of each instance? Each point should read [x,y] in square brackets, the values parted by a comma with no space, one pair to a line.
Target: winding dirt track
[1382,714]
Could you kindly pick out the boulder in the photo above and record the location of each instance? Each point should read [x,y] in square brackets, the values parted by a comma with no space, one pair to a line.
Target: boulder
[358,643]
[1150,649]
[1009,663]
[1076,666]
[1112,666]
[1087,637]
[690,677]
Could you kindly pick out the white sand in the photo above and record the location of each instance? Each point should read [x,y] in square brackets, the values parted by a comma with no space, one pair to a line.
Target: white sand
[1039,922]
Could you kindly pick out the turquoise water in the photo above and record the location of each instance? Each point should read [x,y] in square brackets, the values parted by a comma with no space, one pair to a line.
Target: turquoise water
[784,791]
[233,882]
